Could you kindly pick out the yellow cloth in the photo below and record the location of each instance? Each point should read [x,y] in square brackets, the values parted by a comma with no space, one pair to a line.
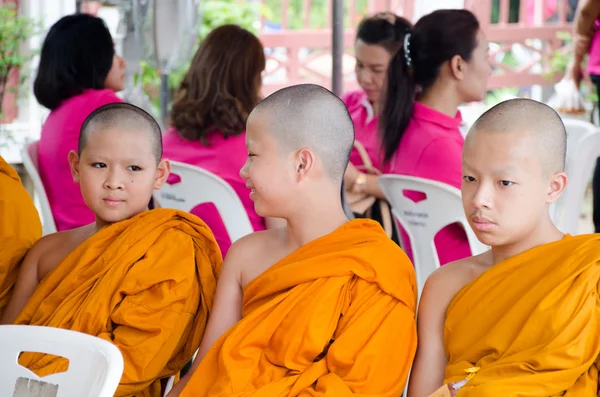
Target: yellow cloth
[20,228]
[531,323]
[146,284]
[334,318]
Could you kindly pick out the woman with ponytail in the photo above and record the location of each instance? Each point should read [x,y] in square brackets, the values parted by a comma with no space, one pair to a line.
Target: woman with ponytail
[445,60]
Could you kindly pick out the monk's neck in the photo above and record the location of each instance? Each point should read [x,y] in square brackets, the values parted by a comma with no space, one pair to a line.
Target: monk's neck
[543,235]
[100,224]
[310,226]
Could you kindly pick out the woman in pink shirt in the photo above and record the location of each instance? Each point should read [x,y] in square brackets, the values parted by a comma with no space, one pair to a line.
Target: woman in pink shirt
[79,71]
[446,57]
[219,91]
[378,39]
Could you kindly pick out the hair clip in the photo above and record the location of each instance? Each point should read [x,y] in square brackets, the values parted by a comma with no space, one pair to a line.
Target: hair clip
[407,57]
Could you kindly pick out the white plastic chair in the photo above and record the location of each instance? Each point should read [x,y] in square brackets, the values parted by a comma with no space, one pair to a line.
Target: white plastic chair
[583,148]
[30,161]
[198,186]
[95,365]
[424,219]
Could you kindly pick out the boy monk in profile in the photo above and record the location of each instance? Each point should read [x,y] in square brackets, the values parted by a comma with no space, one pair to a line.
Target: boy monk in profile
[523,318]
[20,228]
[323,306]
[143,280]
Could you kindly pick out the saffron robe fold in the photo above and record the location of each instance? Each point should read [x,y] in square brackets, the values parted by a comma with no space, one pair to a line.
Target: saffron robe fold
[20,228]
[334,318]
[531,323]
[145,284]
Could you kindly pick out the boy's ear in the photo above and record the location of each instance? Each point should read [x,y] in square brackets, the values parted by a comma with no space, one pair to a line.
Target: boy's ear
[162,173]
[558,183]
[74,165]
[305,161]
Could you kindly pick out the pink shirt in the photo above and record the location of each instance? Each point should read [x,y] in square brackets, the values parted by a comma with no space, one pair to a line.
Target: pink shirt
[365,126]
[60,135]
[431,148]
[593,63]
[224,157]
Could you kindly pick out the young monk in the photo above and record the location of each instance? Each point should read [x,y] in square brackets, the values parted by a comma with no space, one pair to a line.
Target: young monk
[20,228]
[522,319]
[324,305]
[143,280]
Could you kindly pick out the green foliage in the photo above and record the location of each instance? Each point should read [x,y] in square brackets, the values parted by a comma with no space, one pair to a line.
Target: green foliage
[318,13]
[561,58]
[245,14]
[14,32]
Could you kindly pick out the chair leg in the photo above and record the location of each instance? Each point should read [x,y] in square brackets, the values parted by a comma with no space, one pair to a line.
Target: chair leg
[596,196]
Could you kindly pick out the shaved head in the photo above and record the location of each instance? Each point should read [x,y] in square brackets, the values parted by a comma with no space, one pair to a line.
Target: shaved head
[310,116]
[532,118]
[124,116]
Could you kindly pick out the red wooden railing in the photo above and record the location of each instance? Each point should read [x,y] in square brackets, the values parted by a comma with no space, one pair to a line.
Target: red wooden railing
[304,55]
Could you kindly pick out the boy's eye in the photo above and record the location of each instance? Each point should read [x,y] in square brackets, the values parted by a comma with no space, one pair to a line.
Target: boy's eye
[506,183]
[251,154]
[468,178]
[98,165]
[134,168]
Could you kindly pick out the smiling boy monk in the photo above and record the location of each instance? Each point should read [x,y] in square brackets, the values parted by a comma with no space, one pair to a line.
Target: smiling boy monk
[20,228]
[324,306]
[143,280]
[524,317]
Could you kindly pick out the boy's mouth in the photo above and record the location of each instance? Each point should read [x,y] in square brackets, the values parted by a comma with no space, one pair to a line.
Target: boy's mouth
[112,201]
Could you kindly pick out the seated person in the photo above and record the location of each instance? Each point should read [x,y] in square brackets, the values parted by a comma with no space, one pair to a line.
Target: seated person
[20,228]
[144,280]
[209,116]
[78,72]
[523,318]
[323,305]
[378,39]
[446,56]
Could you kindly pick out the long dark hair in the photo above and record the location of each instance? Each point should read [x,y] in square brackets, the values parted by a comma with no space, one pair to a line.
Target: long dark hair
[221,86]
[435,39]
[77,54]
[379,30]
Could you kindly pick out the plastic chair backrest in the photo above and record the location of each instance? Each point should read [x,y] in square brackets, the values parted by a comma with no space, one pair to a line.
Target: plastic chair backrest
[197,186]
[583,148]
[95,365]
[422,220]
[30,160]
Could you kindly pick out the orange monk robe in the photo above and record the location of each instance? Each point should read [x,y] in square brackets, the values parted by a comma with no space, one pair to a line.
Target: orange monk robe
[531,323]
[146,284]
[20,228]
[335,318]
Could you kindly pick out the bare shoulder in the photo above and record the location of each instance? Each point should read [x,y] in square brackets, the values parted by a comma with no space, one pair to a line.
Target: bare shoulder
[253,243]
[443,284]
[51,250]
[253,254]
